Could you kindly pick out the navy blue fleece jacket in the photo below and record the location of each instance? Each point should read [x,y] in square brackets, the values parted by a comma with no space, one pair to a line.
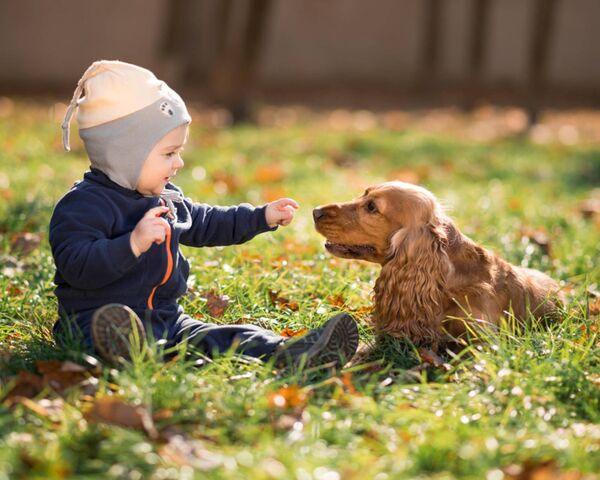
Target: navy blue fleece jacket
[89,237]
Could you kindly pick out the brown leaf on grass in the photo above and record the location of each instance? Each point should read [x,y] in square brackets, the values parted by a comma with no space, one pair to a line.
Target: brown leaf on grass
[54,374]
[594,307]
[226,181]
[269,173]
[292,396]
[62,375]
[270,194]
[429,357]
[115,411]
[538,237]
[23,243]
[216,303]
[535,470]
[27,385]
[162,414]
[282,302]
[590,208]
[288,332]
[347,382]
[337,301]
[13,290]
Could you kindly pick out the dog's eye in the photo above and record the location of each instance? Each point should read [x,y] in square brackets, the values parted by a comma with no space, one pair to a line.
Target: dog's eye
[371,207]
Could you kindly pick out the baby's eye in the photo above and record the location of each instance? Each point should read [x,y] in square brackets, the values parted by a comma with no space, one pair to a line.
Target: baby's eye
[170,154]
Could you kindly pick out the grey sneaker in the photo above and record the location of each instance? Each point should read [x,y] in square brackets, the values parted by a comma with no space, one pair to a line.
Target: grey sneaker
[334,344]
[114,328]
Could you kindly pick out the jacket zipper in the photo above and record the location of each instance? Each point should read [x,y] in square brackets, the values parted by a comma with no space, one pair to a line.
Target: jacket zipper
[167,273]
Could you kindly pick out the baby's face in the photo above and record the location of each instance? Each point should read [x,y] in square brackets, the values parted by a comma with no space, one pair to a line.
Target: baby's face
[163,162]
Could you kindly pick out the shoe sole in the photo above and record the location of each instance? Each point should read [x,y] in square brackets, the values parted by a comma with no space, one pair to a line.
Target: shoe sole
[337,344]
[112,328]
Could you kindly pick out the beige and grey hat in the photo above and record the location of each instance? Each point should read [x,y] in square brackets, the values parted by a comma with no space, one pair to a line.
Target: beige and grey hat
[124,113]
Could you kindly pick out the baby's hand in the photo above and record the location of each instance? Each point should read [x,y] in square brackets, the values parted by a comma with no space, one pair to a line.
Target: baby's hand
[280,212]
[150,229]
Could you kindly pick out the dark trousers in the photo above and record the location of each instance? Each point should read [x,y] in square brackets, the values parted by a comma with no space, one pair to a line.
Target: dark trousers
[173,326]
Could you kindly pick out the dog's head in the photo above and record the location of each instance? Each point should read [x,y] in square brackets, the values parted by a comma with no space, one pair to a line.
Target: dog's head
[363,228]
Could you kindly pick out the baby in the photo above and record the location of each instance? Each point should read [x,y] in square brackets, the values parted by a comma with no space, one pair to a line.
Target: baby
[115,235]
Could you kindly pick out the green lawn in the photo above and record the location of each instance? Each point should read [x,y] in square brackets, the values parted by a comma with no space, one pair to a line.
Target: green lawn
[525,403]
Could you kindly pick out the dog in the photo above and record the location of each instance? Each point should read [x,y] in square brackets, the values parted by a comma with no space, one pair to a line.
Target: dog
[434,280]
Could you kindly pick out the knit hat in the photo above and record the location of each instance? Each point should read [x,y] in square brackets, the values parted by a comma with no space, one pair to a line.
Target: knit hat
[125,112]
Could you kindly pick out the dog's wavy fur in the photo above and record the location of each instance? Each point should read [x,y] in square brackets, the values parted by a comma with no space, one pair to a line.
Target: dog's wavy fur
[434,280]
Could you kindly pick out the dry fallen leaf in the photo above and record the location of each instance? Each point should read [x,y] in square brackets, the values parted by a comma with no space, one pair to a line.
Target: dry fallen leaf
[429,357]
[216,303]
[56,375]
[287,397]
[282,302]
[347,382]
[63,375]
[594,307]
[13,290]
[269,173]
[534,470]
[590,208]
[337,301]
[538,237]
[23,243]
[288,332]
[115,411]
[270,194]
[27,385]
[226,181]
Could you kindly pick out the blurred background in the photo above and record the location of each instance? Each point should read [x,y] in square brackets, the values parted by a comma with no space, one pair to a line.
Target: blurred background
[541,56]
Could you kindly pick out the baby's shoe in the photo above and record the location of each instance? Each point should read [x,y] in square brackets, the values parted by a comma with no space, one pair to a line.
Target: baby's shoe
[334,344]
[115,329]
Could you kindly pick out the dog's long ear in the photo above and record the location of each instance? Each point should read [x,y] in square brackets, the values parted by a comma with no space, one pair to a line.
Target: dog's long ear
[409,293]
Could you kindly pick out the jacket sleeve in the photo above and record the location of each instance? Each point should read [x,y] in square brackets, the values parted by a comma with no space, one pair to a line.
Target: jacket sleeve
[85,255]
[220,226]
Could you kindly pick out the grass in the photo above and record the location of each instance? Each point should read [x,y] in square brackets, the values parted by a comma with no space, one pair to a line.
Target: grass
[526,400]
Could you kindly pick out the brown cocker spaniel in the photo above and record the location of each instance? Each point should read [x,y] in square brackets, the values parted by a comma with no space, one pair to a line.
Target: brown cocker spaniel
[434,280]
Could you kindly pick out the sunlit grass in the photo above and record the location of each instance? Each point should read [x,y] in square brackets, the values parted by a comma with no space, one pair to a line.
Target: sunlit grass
[524,396]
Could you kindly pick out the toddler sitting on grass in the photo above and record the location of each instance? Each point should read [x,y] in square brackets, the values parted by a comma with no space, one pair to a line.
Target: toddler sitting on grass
[115,235]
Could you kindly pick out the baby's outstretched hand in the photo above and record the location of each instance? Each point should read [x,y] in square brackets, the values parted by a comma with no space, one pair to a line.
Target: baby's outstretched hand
[152,228]
[280,212]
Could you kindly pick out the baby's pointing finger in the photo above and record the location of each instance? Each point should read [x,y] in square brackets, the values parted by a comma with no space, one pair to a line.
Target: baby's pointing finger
[287,202]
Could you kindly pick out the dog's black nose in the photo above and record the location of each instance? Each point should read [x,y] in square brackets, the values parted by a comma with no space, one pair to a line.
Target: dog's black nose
[318,213]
